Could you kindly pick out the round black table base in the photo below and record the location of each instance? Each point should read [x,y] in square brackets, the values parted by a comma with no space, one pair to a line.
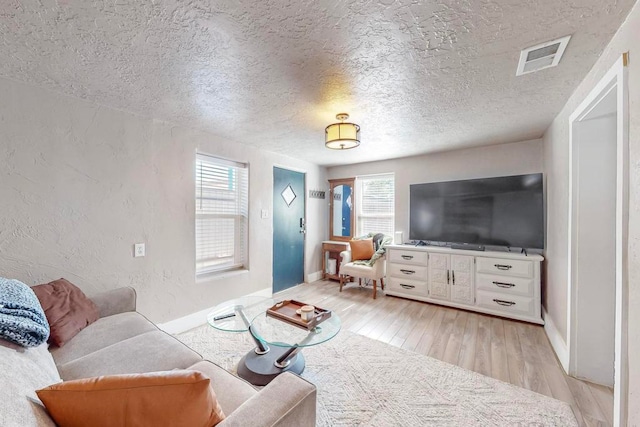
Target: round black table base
[259,369]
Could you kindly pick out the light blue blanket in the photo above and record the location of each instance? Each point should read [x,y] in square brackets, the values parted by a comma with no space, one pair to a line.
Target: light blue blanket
[22,320]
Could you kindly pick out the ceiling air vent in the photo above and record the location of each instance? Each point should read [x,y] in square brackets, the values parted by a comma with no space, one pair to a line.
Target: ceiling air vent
[542,56]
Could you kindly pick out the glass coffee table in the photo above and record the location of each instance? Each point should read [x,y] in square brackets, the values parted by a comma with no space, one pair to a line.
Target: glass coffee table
[278,343]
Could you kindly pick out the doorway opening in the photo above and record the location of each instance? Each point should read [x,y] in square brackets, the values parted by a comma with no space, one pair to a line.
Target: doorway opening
[598,207]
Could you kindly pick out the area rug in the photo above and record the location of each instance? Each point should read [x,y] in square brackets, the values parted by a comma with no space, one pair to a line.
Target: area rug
[364,382]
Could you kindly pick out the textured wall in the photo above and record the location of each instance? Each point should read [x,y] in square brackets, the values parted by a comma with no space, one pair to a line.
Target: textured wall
[496,160]
[556,152]
[80,184]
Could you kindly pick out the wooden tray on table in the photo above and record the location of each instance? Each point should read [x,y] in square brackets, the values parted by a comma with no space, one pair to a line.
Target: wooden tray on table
[286,311]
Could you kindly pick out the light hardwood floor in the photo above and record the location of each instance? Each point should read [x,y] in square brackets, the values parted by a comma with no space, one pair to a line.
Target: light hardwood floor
[511,351]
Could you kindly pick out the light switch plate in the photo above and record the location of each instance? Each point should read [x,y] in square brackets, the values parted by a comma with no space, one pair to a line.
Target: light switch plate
[139,250]
[264,213]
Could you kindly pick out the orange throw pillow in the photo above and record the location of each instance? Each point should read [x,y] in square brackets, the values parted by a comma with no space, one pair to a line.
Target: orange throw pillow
[361,249]
[171,398]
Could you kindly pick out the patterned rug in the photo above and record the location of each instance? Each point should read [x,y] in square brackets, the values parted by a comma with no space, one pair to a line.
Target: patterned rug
[363,382]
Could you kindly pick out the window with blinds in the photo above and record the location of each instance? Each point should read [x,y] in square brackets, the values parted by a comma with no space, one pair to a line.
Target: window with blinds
[222,214]
[375,206]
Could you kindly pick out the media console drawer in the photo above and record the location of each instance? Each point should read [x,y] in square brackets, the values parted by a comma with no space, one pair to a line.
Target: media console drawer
[408,257]
[504,266]
[515,304]
[504,284]
[408,286]
[415,272]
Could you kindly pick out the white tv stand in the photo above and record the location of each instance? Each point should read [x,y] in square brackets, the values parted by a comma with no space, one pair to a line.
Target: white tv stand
[500,283]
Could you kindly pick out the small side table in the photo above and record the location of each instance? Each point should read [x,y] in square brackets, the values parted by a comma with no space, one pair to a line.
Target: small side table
[331,250]
[278,343]
[287,342]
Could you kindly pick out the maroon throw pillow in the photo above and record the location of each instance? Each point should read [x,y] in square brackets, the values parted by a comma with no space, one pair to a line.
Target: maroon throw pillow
[67,308]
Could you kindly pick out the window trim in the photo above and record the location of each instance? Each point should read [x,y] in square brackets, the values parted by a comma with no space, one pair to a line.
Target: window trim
[360,196]
[240,261]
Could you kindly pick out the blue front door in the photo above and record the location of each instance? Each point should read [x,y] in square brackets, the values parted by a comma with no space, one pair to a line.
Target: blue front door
[288,228]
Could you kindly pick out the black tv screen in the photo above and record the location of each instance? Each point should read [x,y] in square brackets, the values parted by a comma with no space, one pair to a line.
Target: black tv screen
[504,211]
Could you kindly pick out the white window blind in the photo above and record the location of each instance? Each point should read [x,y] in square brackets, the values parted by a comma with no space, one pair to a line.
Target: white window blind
[376,203]
[222,190]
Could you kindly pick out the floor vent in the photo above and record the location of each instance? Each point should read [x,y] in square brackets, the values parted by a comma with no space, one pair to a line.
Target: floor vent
[542,56]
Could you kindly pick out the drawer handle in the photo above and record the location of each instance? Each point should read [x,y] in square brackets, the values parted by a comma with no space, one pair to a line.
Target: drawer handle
[408,271]
[503,302]
[407,286]
[504,285]
[407,257]
[502,266]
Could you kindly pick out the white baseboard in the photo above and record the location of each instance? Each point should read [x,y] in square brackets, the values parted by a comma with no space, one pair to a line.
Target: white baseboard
[265,292]
[314,277]
[185,323]
[199,318]
[557,342]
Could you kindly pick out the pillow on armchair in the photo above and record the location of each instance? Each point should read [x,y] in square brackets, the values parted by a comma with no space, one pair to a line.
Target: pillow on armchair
[361,249]
[379,241]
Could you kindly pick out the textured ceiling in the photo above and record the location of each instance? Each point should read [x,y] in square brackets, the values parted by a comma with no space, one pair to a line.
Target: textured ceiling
[417,75]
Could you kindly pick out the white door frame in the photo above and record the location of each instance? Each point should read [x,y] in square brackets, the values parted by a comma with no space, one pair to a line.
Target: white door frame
[616,76]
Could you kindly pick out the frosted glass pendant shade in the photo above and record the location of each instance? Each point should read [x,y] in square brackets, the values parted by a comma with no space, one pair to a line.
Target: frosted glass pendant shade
[342,136]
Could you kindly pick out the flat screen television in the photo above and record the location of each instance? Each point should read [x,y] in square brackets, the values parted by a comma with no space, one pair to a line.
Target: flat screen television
[504,211]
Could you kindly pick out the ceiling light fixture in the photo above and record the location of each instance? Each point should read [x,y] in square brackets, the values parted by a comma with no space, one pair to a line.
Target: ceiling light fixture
[342,136]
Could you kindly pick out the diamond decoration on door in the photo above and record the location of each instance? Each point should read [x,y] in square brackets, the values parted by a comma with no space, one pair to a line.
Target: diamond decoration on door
[288,195]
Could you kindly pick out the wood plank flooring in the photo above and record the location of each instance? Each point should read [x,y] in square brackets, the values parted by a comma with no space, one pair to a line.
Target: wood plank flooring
[511,351]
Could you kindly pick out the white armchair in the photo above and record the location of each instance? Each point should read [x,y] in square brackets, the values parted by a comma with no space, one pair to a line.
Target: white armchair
[350,269]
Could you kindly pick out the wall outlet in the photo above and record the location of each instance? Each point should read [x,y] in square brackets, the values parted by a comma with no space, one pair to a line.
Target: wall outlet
[139,250]
[264,214]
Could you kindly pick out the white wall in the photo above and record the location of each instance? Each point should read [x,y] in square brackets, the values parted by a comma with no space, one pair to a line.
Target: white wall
[556,155]
[595,247]
[495,160]
[81,183]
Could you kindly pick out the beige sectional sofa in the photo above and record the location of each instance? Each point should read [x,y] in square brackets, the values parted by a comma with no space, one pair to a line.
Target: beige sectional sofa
[123,341]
